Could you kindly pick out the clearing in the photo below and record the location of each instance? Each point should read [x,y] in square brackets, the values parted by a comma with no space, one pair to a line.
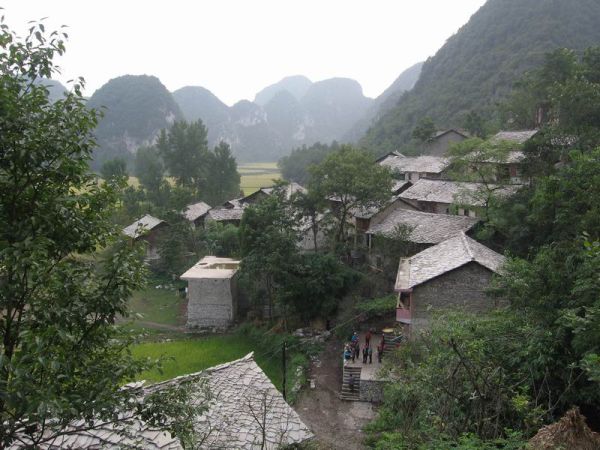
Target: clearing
[257,175]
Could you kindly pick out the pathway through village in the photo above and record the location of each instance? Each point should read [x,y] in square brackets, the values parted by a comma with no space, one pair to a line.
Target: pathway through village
[336,423]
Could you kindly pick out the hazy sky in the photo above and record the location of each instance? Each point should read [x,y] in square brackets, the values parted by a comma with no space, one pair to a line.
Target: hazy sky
[236,47]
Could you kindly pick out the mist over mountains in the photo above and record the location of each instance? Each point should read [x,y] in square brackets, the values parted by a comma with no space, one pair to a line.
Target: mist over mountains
[288,114]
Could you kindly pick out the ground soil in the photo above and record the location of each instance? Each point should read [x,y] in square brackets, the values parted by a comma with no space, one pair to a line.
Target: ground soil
[337,424]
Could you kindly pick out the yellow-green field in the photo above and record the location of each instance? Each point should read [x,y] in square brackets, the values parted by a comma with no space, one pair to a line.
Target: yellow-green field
[253,176]
[257,175]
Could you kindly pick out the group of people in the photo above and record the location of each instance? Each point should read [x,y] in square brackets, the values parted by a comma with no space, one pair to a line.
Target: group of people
[352,349]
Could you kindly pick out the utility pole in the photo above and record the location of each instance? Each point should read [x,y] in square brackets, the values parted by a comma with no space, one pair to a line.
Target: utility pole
[284,368]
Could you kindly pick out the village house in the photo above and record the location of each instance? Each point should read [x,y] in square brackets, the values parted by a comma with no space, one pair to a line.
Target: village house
[412,168]
[425,229]
[147,229]
[225,216]
[289,190]
[212,293]
[448,197]
[452,274]
[441,142]
[510,169]
[196,213]
[244,410]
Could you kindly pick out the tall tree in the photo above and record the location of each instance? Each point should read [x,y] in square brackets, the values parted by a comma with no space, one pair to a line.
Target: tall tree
[223,178]
[268,243]
[184,149]
[351,179]
[149,169]
[61,358]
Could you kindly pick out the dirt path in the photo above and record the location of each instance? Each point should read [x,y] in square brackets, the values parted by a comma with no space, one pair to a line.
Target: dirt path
[337,424]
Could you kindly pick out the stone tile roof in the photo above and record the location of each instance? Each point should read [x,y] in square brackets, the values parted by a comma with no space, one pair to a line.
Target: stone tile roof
[427,228]
[130,433]
[518,137]
[367,213]
[193,212]
[399,184]
[212,267]
[421,164]
[226,214]
[291,189]
[444,257]
[443,191]
[239,396]
[139,227]
[441,133]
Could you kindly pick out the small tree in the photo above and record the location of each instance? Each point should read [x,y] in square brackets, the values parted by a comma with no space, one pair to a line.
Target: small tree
[424,130]
[351,179]
[223,178]
[115,169]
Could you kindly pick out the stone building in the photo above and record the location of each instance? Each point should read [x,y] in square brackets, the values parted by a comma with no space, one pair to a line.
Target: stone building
[196,213]
[452,274]
[148,229]
[212,293]
[412,168]
[441,142]
[447,197]
[244,410]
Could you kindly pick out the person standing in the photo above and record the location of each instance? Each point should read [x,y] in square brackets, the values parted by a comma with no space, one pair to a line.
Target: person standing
[370,355]
[357,350]
[368,338]
[365,354]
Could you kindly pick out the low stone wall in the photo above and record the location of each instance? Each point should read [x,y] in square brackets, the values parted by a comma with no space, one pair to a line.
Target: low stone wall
[371,391]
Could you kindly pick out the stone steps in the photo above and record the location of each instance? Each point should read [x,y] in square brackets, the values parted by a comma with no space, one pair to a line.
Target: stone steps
[347,393]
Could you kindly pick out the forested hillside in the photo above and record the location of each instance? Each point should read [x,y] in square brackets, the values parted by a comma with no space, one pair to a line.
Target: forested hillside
[135,108]
[479,64]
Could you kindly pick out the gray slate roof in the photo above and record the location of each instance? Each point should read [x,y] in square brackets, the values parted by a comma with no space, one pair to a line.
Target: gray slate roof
[443,191]
[290,189]
[518,137]
[427,228]
[239,395]
[193,212]
[139,227]
[421,164]
[444,257]
[226,214]
[133,435]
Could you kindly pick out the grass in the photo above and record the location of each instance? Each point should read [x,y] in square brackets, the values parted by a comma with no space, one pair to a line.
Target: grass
[161,306]
[193,355]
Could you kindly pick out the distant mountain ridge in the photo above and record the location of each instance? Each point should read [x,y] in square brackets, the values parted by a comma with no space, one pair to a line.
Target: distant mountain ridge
[285,115]
[135,108]
[478,65]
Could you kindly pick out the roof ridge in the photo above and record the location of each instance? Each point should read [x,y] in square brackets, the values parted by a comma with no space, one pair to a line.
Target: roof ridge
[463,237]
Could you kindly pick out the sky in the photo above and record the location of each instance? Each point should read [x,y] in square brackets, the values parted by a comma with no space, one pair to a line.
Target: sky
[235,48]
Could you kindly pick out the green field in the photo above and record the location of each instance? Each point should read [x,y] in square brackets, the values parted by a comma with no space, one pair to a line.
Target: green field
[257,175]
[193,355]
[253,176]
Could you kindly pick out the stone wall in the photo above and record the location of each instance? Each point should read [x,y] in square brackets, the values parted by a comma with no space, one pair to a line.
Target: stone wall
[441,145]
[371,391]
[210,303]
[461,288]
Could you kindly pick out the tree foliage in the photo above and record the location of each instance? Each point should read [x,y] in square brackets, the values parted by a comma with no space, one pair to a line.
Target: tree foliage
[61,358]
[350,178]
[295,166]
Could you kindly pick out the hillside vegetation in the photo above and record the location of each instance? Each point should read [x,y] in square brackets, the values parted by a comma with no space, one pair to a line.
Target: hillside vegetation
[478,66]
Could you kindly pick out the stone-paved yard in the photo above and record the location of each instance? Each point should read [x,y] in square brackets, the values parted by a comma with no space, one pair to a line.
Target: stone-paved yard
[336,424]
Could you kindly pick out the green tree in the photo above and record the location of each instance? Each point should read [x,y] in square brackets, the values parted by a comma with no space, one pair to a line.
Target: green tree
[351,179]
[149,170]
[424,130]
[61,357]
[308,208]
[268,244]
[184,149]
[475,124]
[115,169]
[223,178]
